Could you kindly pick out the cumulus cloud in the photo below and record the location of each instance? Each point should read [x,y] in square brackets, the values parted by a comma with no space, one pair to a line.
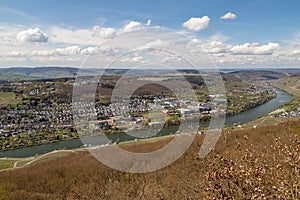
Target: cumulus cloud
[99,50]
[197,24]
[172,59]
[133,25]
[211,46]
[195,42]
[135,59]
[103,32]
[155,44]
[72,50]
[8,41]
[79,42]
[32,36]
[217,47]
[229,15]
[67,51]
[254,49]
[90,51]
[295,52]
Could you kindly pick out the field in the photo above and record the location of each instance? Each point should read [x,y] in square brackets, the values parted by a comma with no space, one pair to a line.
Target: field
[8,98]
[6,164]
[261,163]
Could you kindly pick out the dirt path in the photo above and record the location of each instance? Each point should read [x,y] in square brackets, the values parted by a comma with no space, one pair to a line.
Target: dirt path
[47,154]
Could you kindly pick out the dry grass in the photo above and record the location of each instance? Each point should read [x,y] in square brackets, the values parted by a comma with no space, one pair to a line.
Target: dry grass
[261,163]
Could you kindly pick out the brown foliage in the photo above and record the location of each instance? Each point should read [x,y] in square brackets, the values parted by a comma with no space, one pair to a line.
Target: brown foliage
[260,163]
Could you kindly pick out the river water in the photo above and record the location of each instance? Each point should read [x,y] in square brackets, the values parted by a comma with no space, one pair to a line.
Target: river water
[247,116]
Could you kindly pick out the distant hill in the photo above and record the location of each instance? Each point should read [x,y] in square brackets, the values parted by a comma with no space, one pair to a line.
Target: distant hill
[254,75]
[13,77]
[24,73]
[67,72]
[230,77]
[288,71]
[41,72]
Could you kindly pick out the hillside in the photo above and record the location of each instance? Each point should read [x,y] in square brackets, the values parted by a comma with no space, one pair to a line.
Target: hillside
[290,84]
[40,72]
[61,72]
[20,73]
[254,75]
[245,164]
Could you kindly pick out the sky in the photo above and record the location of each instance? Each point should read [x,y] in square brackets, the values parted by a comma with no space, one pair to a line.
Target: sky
[234,34]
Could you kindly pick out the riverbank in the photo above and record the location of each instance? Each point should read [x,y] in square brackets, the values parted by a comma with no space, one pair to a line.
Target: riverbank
[8,163]
[261,162]
[250,115]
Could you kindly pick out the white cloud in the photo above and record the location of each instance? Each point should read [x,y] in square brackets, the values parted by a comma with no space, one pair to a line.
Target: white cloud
[172,60]
[228,55]
[229,15]
[40,53]
[268,49]
[295,52]
[133,25]
[75,43]
[255,49]
[72,50]
[156,44]
[135,59]
[197,24]
[8,41]
[15,54]
[67,51]
[195,42]
[148,22]
[211,46]
[103,32]
[75,36]
[217,47]
[32,36]
[90,51]
[99,50]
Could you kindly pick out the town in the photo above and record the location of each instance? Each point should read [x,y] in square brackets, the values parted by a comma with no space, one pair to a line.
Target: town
[41,111]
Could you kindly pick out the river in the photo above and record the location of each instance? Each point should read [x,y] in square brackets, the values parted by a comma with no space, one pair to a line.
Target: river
[247,116]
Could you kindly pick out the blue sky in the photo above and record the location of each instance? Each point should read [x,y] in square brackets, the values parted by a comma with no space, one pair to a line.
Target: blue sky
[252,33]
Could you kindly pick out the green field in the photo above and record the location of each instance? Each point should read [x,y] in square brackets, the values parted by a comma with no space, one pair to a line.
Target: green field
[6,164]
[8,98]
